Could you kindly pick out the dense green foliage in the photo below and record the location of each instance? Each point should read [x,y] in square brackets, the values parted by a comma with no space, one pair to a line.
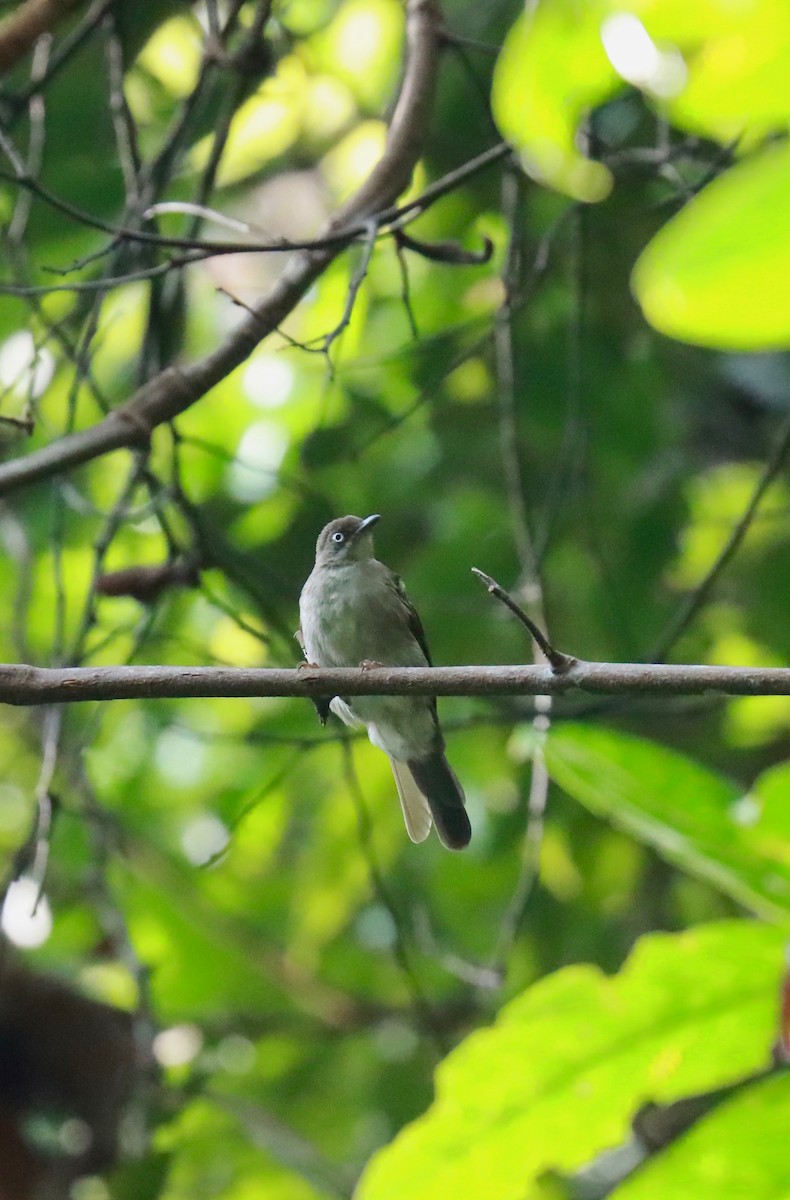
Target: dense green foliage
[238,878]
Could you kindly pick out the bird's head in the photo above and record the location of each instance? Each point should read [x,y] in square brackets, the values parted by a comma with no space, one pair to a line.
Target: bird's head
[345,540]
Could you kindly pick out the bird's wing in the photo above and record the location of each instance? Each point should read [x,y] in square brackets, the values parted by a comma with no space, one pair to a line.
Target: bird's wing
[320,703]
[411,616]
[416,812]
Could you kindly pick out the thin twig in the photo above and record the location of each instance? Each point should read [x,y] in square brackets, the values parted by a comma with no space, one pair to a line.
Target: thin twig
[699,597]
[450,253]
[509,408]
[355,284]
[559,662]
[405,290]
[32,858]
[65,51]
[422,1009]
[389,218]
[36,139]
[122,119]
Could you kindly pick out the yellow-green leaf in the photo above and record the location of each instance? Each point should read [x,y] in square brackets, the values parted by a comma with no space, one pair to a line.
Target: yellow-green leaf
[551,70]
[559,1076]
[717,273]
[740,1150]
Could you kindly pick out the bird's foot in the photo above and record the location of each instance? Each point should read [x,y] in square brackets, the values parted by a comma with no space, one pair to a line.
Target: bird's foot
[321,703]
[371,664]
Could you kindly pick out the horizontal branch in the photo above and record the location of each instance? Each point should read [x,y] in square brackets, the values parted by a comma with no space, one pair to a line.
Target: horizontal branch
[24,685]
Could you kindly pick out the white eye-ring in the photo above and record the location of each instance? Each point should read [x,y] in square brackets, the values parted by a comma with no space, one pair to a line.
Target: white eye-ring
[338,537]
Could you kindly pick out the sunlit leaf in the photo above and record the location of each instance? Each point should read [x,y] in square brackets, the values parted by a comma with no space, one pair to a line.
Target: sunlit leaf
[551,71]
[715,69]
[739,1150]
[557,1079]
[716,274]
[738,74]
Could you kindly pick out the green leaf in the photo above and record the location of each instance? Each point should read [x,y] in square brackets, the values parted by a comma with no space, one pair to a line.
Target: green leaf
[564,58]
[551,71]
[716,274]
[690,815]
[557,1079]
[739,1150]
[737,86]
[766,816]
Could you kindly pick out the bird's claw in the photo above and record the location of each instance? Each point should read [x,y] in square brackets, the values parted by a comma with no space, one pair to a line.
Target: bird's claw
[370,664]
[321,703]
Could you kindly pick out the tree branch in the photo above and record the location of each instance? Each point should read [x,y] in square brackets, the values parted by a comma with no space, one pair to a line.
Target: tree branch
[19,30]
[558,660]
[26,685]
[391,218]
[174,390]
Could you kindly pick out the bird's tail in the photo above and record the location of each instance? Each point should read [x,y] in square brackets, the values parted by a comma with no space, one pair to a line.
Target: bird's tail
[416,813]
[437,781]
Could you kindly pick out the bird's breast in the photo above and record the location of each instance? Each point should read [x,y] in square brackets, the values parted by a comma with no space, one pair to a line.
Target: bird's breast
[349,614]
[332,611]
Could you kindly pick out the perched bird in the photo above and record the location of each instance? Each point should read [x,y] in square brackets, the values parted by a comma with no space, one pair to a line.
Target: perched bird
[354,611]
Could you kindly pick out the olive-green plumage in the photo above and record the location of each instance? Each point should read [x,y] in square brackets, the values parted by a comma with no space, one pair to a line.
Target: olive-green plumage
[354,610]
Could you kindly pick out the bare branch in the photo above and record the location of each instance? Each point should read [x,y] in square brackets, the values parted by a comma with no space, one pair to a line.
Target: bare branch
[559,661]
[26,685]
[285,1145]
[510,405]
[355,284]
[699,597]
[392,218]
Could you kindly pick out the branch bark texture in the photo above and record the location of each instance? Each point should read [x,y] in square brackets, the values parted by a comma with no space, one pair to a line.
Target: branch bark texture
[19,30]
[26,686]
[176,389]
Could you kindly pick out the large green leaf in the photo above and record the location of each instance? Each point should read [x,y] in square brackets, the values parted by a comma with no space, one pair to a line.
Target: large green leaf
[557,1079]
[691,815]
[717,273]
[740,1150]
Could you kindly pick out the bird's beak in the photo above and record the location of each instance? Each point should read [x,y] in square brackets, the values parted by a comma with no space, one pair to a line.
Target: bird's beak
[367,524]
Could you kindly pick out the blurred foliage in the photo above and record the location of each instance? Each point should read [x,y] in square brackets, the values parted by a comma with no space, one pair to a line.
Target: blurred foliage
[239,879]
[712,69]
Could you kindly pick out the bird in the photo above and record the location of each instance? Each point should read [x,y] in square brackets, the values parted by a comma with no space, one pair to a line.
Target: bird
[354,611]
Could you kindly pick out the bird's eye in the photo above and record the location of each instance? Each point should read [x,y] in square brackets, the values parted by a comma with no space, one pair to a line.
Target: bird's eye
[338,537]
